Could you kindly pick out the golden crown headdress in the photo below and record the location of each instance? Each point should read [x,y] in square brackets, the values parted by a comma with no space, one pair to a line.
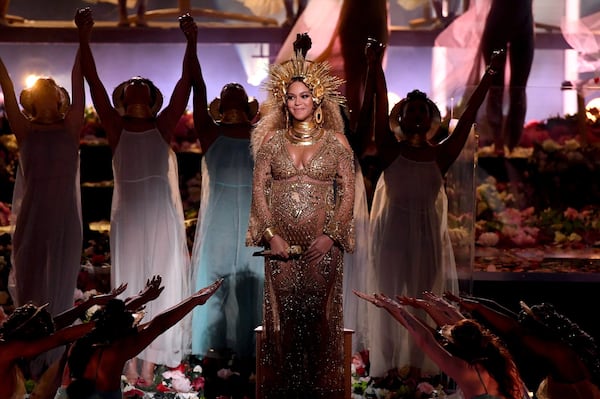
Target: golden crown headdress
[316,75]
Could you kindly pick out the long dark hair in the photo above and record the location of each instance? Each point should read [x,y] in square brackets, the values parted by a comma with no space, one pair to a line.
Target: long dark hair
[27,323]
[475,344]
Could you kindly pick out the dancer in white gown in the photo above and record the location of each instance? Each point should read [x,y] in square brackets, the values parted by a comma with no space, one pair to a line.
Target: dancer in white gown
[46,211]
[147,225]
[410,246]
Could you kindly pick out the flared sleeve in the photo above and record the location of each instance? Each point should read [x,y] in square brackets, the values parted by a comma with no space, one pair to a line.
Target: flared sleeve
[340,226]
[260,214]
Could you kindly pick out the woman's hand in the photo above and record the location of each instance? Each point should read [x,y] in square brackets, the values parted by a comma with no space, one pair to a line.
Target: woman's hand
[374,51]
[205,293]
[152,290]
[279,247]
[188,27]
[381,301]
[84,21]
[317,249]
[102,299]
[468,304]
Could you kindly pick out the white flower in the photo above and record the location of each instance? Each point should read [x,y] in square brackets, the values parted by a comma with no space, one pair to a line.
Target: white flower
[90,312]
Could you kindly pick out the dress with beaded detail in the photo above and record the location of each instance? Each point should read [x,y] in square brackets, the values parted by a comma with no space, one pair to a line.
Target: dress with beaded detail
[302,350]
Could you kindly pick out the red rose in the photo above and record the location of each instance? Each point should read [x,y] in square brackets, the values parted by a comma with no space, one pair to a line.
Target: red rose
[198,384]
[163,388]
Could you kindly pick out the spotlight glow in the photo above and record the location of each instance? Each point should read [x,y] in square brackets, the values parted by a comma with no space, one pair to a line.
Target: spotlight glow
[393,99]
[30,80]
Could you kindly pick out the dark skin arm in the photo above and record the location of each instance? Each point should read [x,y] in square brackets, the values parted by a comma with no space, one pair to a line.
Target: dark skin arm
[27,349]
[18,123]
[424,337]
[69,316]
[149,293]
[132,345]
[111,120]
[385,141]
[374,52]
[448,150]
[503,323]
[13,350]
[74,117]
[441,311]
[168,118]
[205,127]
[564,363]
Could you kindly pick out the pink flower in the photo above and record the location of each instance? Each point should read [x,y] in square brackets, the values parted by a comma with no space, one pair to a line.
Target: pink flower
[178,380]
[425,388]
[571,213]
[489,239]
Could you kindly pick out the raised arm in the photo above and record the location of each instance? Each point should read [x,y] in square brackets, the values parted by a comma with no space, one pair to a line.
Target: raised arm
[168,118]
[151,291]
[450,149]
[502,322]
[422,334]
[165,320]
[74,117]
[29,349]
[385,142]
[364,128]
[16,119]
[441,311]
[110,118]
[69,316]
[205,127]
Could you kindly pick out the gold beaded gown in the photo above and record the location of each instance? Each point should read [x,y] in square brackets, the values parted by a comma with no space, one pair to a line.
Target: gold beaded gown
[301,355]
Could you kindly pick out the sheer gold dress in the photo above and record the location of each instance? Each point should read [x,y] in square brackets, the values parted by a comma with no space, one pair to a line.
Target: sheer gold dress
[302,351]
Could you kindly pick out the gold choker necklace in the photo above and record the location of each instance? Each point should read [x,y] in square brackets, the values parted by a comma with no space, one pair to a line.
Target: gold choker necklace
[304,133]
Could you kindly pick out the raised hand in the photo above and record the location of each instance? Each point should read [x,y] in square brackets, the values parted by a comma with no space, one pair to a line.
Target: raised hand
[84,21]
[374,50]
[152,290]
[303,43]
[379,300]
[497,61]
[102,299]
[446,312]
[205,293]
[188,26]
[464,302]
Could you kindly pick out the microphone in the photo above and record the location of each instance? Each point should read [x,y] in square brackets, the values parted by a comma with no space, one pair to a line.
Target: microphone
[293,250]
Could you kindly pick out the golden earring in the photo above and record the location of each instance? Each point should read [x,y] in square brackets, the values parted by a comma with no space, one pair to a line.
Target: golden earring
[318,115]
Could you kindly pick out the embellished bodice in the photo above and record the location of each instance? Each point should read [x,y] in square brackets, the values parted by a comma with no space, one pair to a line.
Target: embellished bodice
[303,202]
[322,166]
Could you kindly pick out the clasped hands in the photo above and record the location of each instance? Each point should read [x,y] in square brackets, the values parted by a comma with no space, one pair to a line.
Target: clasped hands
[313,254]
